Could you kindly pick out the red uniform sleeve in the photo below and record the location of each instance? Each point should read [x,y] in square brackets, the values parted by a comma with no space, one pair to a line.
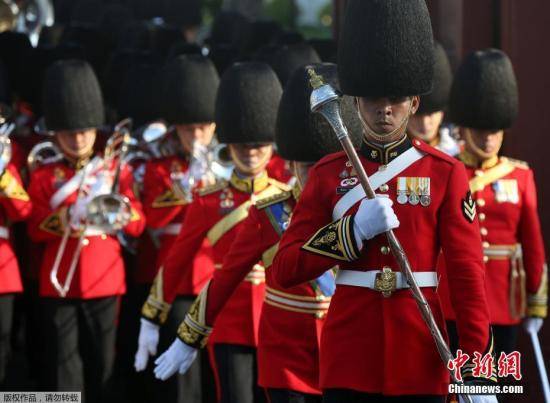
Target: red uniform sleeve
[155,186]
[179,258]
[137,222]
[184,249]
[530,236]
[293,265]
[13,197]
[461,244]
[247,249]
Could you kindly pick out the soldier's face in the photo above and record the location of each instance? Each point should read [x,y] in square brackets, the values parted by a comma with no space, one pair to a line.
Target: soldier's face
[386,115]
[425,126]
[197,132]
[76,144]
[251,159]
[483,143]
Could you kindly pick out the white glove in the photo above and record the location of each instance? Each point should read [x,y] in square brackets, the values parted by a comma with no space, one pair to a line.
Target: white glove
[479,399]
[178,357]
[375,216]
[532,324]
[147,344]
[77,212]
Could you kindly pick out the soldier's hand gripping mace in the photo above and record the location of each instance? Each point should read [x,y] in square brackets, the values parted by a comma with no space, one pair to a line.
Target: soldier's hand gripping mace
[325,100]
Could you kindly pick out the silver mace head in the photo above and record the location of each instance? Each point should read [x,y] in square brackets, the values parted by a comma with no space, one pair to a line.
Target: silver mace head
[325,100]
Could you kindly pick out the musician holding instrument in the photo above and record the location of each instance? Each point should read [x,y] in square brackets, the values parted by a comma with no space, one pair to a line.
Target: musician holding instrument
[292,319]
[246,111]
[80,201]
[15,205]
[188,98]
[380,342]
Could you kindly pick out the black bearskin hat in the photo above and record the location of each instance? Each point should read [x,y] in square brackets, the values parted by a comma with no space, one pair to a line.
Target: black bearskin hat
[485,93]
[305,136]
[285,60]
[438,99]
[247,103]
[386,48]
[72,97]
[189,87]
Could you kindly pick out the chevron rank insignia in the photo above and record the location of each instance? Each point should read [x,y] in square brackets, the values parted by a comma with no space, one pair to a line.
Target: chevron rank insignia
[469,207]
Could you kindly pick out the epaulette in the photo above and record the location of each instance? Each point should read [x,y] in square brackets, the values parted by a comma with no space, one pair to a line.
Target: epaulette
[280,185]
[516,163]
[220,185]
[271,200]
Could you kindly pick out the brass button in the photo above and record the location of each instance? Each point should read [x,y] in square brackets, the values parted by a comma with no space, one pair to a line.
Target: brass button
[479,173]
[382,167]
[384,187]
[385,250]
[320,314]
[416,142]
[480,202]
[482,216]
[485,259]
[103,236]
[85,242]
[486,244]
[484,231]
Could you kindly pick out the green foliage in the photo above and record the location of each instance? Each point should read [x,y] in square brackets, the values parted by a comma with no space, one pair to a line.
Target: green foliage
[283,11]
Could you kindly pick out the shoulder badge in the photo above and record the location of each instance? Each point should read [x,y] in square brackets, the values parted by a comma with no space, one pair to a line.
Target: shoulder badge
[271,200]
[516,163]
[213,188]
[469,207]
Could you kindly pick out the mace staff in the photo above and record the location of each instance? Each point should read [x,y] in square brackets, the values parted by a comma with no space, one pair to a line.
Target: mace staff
[325,100]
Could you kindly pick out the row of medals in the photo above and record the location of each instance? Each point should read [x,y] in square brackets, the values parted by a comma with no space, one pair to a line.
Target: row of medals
[420,194]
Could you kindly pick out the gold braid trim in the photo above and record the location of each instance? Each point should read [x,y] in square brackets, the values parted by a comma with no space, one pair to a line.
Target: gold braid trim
[155,308]
[537,304]
[335,240]
[194,331]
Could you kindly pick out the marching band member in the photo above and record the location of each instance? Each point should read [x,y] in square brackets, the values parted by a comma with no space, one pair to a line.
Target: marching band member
[15,205]
[484,103]
[246,111]
[79,319]
[291,319]
[188,98]
[375,345]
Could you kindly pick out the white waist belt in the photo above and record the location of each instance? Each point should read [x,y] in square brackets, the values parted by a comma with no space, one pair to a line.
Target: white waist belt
[171,229]
[380,280]
[4,233]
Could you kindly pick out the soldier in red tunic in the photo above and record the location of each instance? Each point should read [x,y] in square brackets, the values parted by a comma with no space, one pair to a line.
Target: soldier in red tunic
[505,194]
[246,110]
[291,319]
[375,345]
[187,100]
[15,205]
[79,326]
[427,123]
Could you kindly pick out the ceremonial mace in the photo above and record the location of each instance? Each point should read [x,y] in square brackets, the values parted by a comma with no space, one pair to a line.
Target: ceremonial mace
[325,100]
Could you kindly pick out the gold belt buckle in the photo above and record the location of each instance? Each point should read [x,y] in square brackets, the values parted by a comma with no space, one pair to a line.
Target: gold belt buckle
[386,282]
